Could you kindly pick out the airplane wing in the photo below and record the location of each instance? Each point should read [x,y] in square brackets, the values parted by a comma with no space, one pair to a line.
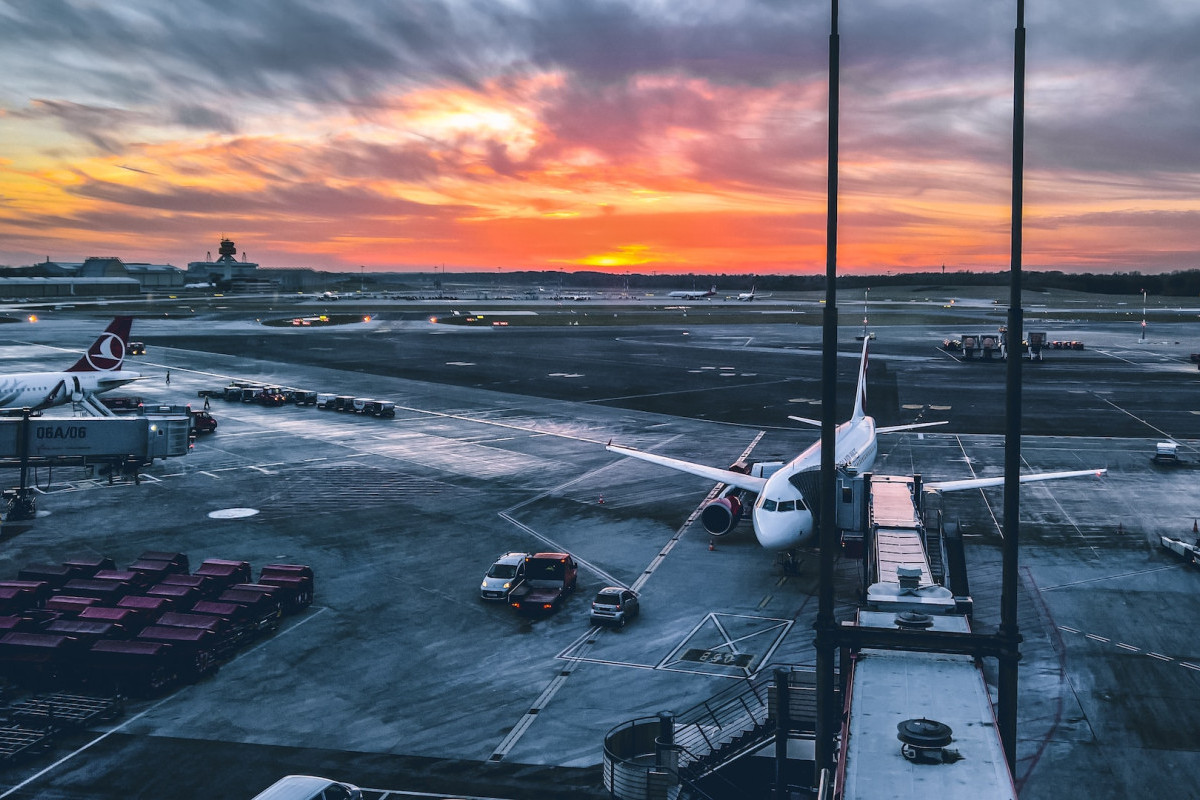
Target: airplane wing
[983,483]
[887,429]
[738,479]
[898,428]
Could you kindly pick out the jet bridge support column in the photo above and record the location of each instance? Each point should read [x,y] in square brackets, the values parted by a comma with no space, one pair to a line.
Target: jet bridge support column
[20,506]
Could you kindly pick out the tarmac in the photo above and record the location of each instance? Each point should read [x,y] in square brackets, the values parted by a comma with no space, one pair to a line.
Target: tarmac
[399,679]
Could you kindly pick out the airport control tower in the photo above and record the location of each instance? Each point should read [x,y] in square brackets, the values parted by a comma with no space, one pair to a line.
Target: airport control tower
[224,270]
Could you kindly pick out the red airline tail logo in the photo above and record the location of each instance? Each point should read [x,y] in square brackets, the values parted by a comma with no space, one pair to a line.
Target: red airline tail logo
[107,353]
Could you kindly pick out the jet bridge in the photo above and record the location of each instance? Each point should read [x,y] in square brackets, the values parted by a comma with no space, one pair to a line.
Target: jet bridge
[119,443]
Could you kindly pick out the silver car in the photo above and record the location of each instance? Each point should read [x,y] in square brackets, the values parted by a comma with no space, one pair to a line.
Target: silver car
[505,575]
[615,605]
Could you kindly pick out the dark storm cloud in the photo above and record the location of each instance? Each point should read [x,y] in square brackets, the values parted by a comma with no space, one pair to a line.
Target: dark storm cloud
[306,200]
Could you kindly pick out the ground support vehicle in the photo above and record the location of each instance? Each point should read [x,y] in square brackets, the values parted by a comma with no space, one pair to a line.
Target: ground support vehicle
[549,580]
[19,739]
[137,348]
[304,397]
[615,605]
[376,408]
[121,404]
[325,400]
[1190,553]
[343,402]
[505,575]
[203,422]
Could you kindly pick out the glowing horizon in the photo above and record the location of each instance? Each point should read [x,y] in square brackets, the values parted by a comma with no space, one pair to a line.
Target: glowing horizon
[592,137]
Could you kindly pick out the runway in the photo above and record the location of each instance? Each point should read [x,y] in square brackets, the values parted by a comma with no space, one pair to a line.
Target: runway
[399,678]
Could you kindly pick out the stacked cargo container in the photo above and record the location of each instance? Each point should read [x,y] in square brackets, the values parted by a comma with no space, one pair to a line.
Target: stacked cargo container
[141,629]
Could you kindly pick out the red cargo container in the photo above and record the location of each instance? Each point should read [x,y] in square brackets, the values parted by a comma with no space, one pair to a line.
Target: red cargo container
[204,584]
[137,668]
[70,605]
[90,565]
[33,658]
[177,561]
[107,591]
[225,572]
[128,620]
[194,648]
[38,592]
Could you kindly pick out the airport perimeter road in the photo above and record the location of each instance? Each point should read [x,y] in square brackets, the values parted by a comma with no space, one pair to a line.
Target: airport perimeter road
[399,677]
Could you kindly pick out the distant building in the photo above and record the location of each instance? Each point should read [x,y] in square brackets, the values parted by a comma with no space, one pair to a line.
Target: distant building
[98,276]
[229,274]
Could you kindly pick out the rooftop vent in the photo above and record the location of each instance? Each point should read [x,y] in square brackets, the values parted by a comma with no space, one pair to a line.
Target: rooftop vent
[913,620]
[924,741]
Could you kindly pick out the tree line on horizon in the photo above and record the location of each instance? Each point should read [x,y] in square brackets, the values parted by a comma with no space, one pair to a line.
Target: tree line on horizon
[1181,283]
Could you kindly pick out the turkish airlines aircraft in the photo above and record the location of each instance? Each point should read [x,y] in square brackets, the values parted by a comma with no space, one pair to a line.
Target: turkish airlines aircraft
[782,518]
[97,371]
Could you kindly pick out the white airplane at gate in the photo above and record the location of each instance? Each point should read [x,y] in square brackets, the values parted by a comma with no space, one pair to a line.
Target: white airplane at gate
[781,516]
[99,370]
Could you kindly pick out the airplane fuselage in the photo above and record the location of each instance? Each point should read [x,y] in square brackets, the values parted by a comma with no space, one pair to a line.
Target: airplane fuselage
[782,516]
[42,389]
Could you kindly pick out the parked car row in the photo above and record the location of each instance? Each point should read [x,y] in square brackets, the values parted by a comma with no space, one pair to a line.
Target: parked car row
[541,582]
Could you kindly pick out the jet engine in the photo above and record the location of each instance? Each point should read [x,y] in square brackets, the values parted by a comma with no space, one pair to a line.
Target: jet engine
[722,515]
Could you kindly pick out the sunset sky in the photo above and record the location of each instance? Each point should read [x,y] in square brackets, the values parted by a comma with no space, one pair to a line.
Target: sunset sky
[679,136]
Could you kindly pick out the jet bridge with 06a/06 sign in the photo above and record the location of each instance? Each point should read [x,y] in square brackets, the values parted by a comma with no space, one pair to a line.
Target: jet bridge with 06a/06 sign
[124,443]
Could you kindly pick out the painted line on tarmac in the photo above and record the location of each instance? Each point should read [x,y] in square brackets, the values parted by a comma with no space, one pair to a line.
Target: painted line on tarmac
[1108,578]
[982,493]
[70,756]
[1130,414]
[587,642]
[706,389]
[1131,648]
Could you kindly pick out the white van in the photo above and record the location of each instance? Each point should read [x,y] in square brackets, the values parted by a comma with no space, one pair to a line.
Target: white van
[308,787]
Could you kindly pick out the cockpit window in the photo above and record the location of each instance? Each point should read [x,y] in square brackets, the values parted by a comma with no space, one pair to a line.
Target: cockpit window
[768,505]
[787,505]
[800,506]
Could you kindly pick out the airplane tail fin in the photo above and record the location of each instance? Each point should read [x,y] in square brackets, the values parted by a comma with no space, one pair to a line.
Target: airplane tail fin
[860,395]
[107,353]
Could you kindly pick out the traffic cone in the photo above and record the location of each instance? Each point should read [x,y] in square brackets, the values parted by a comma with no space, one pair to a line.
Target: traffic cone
[711,545]
[601,499]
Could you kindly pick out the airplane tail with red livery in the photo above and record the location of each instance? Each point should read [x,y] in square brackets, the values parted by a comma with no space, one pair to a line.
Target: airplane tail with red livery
[107,353]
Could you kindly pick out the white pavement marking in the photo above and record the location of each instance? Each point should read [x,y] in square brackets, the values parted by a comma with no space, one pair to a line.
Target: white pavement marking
[527,720]
[982,493]
[70,756]
[1109,578]
[1159,431]
[1160,656]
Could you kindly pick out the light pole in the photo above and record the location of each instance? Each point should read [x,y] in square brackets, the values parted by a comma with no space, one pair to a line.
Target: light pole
[1143,315]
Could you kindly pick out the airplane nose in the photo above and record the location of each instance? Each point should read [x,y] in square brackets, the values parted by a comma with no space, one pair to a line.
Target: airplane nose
[780,531]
